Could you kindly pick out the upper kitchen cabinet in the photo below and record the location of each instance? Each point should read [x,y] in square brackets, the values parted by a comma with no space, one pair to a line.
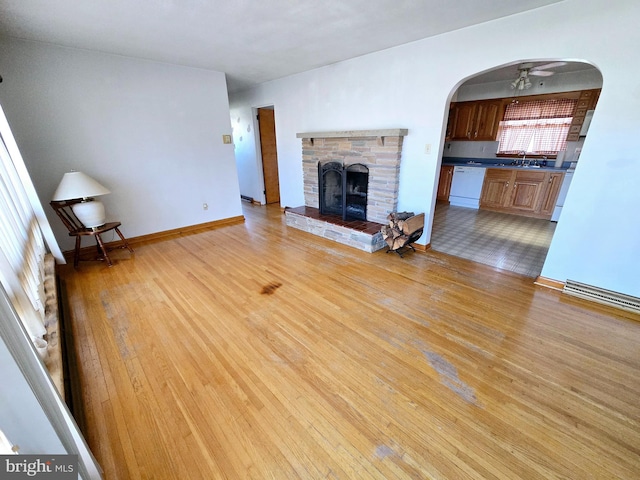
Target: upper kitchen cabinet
[586,102]
[478,120]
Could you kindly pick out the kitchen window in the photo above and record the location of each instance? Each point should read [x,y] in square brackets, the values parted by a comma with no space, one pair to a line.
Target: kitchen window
[537,127]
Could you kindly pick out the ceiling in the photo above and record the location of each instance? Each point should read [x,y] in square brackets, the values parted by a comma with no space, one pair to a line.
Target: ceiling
[251,41]
[511,72]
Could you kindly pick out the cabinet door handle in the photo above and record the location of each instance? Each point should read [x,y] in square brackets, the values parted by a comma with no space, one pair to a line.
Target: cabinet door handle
[507,185]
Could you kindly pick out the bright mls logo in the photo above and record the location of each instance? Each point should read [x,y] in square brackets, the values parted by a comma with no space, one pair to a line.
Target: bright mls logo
[51,467]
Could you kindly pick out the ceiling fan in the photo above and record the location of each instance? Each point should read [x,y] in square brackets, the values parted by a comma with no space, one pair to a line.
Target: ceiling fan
[526,69]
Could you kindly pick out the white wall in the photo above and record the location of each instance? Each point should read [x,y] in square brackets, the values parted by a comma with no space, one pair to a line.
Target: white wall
[21,417]
[248,154]
[597,238]
[148,131]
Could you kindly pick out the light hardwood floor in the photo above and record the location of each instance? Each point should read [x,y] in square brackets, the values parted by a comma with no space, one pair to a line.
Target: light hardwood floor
[260,351]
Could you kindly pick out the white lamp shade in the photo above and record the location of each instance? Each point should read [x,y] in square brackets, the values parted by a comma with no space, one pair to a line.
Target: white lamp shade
[90,213]
[78,185]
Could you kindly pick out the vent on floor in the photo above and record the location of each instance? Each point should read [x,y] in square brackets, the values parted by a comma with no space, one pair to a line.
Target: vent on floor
[600,295]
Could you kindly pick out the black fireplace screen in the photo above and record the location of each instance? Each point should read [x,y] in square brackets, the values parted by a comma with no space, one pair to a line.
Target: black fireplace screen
[343,190]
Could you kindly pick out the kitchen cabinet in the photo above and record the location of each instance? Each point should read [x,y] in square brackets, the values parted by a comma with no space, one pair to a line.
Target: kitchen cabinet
[523,192]
[495,188]
[490,113]
[444,184]
[586,101]
[476,121]
[553,189]
[528,188]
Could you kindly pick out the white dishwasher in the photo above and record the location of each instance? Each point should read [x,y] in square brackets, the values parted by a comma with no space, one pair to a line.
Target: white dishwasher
[466,186]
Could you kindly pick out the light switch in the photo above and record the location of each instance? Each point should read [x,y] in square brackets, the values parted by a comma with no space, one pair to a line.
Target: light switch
[427,149]
[226,138]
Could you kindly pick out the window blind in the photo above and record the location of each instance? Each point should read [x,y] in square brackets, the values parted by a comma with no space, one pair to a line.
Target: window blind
[537,127]
[22,243]
[540,109]
[22,248]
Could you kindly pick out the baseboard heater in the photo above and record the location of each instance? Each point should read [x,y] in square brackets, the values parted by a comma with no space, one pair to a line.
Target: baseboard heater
[246,198]
[600,295]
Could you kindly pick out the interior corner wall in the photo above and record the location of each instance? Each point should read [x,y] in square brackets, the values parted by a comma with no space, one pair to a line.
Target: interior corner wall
[150,132]
[596,241]
[247,152]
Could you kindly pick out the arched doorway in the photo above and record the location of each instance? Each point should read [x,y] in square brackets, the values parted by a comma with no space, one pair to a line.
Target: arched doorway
[495,205]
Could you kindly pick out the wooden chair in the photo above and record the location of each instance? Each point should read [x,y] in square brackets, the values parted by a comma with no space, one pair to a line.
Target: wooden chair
[78,230]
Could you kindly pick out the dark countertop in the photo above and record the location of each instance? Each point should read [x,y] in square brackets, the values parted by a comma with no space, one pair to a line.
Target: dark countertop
[499,163]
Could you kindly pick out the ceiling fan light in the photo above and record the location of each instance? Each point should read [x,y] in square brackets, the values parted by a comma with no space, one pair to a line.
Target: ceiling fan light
[522,82]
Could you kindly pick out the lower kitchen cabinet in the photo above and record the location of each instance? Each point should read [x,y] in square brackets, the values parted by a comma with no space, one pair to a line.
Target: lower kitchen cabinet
[495,188]
[553,190]
[444,184]
[523,192]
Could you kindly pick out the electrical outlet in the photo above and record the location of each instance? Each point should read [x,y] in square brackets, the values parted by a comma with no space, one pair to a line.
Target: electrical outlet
[205,206]
[427,149]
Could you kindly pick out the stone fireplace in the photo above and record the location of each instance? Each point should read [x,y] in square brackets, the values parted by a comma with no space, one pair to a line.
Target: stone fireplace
[352,158]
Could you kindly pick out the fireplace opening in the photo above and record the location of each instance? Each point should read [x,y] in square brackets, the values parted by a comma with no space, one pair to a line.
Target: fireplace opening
[343,190]
[330,182]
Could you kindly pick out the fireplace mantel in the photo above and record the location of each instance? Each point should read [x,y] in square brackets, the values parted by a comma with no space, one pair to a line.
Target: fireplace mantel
[390,132]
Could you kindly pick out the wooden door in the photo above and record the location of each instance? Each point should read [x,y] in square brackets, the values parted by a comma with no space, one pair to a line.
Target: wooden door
[495,188]
[267,125]
[527,190]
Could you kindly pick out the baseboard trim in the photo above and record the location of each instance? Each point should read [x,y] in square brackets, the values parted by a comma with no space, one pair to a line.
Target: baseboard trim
[421,248]
[549,283]
[160,236]
[184,231]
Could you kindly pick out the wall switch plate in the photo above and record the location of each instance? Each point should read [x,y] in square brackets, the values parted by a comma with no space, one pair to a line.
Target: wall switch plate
[427,149]
[226,138]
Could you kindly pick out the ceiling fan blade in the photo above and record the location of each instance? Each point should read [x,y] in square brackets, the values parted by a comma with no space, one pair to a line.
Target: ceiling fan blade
[547,66]
[541,73]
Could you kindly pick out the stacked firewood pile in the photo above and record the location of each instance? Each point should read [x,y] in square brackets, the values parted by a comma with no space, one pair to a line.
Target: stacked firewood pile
[397,233]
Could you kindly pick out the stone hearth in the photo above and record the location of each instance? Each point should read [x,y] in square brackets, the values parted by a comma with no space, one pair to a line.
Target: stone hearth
[359,234]
[380,151]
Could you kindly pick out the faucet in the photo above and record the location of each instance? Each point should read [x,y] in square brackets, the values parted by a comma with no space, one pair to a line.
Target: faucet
[523,154]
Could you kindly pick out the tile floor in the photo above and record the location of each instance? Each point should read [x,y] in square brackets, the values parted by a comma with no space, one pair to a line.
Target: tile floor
[509,242]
